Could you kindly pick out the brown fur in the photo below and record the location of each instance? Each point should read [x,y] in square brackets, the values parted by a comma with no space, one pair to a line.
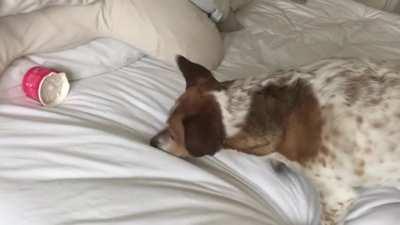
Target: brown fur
[204,131]
[289,114]
[195,126]
[302,129]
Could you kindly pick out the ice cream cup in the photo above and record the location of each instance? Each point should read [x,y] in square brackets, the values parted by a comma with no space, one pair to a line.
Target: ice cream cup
[45,85]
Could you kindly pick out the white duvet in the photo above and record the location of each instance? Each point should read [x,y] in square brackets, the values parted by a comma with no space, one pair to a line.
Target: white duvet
[87,161]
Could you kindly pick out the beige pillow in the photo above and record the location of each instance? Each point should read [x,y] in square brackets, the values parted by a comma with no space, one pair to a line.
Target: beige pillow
[11,7]
[162,29]
[236,4]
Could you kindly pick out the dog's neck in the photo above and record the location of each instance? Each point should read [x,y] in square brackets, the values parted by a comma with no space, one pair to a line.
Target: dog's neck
[280,117]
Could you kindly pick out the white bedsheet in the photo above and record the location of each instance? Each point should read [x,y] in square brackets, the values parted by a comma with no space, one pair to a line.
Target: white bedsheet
[87,161]
[282,34]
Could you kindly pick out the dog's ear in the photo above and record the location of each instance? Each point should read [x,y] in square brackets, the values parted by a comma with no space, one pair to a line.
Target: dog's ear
[195,74]
[203,134]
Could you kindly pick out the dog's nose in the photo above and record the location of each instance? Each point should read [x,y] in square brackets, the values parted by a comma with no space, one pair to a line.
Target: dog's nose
[278,166]
[155,142]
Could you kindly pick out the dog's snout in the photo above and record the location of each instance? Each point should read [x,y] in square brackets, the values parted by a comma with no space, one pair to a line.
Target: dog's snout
[278,166]
[155,142]
[159,140]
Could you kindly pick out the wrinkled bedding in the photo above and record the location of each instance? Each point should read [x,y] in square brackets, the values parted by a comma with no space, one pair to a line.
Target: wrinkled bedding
[87,161]
[282,34]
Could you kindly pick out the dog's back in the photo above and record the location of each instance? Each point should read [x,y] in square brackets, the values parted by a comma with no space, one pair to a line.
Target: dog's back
[360,107]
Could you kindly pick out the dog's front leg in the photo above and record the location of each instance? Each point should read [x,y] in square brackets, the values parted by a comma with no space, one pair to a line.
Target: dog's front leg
[335,202]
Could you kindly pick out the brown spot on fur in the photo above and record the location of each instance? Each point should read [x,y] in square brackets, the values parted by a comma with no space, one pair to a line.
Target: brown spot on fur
[377,124]
[329,80]
[284,117]
[262,128]
[359,119]
[335,132]
[374,101]
[327,107]
[302,126]
[352,93]
[247,142]
[368,150]
[322,162]
[360,168]
[354,86]
[393,147]
[324,150]
[386,106]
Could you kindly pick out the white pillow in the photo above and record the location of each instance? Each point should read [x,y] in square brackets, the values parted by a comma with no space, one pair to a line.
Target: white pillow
[11,7]
[236,4]
[162,29]
[97,57]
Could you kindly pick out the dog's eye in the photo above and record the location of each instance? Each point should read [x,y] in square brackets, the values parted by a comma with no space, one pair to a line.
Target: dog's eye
[172,135]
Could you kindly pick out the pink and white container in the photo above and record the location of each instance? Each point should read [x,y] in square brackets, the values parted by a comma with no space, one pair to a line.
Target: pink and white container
[45,85]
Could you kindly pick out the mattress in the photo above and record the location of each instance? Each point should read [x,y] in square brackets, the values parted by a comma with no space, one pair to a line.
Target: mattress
[87,161]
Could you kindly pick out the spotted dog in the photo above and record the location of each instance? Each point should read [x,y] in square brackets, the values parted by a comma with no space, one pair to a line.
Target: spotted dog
[336,119]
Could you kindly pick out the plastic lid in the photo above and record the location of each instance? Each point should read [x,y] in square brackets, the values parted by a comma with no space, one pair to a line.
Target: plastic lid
[53,89]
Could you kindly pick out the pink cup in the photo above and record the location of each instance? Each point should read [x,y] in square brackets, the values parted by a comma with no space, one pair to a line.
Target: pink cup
[45,85]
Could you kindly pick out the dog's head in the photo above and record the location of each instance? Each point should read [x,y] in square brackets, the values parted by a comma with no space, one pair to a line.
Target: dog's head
[194,127]
[278,115]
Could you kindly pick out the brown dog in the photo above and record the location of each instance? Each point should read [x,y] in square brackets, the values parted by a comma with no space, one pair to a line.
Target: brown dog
[337,119]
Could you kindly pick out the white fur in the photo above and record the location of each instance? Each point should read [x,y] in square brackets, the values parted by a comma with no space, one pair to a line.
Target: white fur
[235,104]
[366,153]
[231,121]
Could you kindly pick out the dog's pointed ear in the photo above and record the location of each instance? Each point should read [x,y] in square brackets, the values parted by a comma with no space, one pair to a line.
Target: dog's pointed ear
[194,74]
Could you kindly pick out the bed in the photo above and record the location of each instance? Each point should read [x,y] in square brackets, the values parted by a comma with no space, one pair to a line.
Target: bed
[87,161]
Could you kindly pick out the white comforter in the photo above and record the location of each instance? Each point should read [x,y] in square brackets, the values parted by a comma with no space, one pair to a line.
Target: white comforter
[87,161]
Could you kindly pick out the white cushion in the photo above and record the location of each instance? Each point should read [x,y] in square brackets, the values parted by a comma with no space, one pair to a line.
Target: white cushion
[10,7]
[161,29]
[95,58]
